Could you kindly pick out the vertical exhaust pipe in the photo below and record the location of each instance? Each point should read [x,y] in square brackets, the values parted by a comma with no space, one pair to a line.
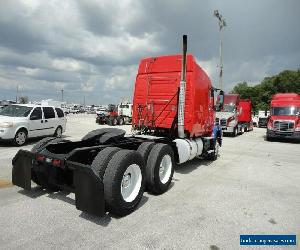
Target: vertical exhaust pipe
[181,99]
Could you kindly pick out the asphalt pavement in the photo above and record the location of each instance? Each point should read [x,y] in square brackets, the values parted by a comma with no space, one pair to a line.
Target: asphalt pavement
[253,188]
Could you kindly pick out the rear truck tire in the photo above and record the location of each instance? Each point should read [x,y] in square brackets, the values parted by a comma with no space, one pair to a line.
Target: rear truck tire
[124,182]
[120,121]
[40,145]
[104,135]
[144,149]
[20,137]
[100,162]
[160,168]
[58,132]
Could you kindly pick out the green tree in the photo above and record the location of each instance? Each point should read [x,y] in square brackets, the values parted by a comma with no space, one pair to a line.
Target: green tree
[23,99]
[287,81]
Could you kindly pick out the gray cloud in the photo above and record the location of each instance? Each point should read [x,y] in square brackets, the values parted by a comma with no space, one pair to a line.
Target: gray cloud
[92,48]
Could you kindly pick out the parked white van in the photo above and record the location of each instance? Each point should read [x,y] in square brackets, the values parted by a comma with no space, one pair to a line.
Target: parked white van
[18,122]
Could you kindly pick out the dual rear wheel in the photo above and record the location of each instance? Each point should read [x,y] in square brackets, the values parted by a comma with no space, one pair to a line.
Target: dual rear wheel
[126,174]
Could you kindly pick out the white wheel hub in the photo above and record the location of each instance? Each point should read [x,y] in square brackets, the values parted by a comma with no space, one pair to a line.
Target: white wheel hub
[131,183]
[21,138]
[165,169]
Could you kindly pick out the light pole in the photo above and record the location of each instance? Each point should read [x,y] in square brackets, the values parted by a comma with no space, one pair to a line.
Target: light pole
[17,96]
[222,24]
[62,95]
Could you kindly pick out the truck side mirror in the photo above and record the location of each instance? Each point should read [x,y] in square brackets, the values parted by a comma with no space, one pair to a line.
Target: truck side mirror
[221,100]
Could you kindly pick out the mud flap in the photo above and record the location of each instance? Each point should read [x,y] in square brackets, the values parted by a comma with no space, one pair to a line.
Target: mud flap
[89,191]
[21,171]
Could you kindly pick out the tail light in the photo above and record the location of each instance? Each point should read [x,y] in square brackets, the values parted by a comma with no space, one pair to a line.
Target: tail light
[40,157]
[56,162]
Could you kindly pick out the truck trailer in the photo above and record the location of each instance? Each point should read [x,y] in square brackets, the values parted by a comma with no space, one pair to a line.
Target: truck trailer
[245,115]
[284,119]
[173,122]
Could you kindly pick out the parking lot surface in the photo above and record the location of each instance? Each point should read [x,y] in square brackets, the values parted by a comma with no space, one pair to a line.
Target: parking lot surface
[253,188]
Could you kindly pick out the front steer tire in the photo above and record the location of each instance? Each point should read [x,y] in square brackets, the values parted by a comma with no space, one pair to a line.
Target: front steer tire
[155,183]
[235,132]
[114,177]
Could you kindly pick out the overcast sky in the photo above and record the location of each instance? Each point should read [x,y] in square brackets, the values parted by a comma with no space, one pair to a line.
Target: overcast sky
[92,48]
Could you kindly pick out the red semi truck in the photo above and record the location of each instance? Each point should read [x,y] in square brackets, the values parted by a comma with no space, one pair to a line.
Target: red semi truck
[173,122]
[284,119]
[245,114]
[235,117]
[228,116]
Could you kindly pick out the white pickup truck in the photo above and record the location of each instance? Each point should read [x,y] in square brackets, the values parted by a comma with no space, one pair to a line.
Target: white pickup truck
[18,122]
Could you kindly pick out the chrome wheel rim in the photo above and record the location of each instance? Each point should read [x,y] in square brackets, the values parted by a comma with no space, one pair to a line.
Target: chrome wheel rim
[165,169]
[21,138]
[131,182]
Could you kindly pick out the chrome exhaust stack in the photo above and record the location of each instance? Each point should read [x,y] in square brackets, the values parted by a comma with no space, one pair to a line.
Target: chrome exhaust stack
[181,99]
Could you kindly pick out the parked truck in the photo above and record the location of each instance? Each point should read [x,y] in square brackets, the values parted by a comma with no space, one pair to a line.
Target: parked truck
[245,115]
[263,116]
[173,122]
[228,116]
[116,115]
[108,116]
[284,120]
